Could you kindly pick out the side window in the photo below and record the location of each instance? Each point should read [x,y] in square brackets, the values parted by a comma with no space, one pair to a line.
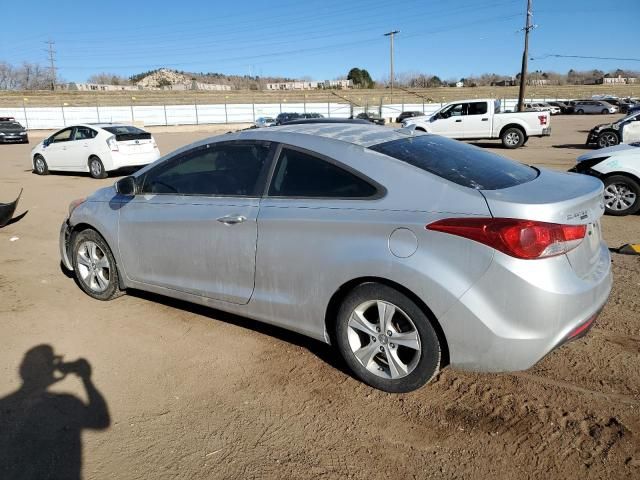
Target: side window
[299,174]
[477,108]
[84,133]
[454,110]
[222,169]
[62,136]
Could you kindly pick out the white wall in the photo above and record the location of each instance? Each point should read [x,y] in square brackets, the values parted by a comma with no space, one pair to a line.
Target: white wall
[58,117]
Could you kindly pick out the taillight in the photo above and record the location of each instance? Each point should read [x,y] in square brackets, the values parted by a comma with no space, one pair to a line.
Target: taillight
[113,145]
[526,239]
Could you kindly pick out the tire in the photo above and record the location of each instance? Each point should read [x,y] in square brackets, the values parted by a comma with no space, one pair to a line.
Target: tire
[621,195]
[366,346]
[604,111]
[580,112]
[607,139]
[96,168]
[94,267]
[40,165]
[512,138]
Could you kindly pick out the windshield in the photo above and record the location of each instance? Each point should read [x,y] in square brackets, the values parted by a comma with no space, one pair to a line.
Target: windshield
[11,125]
[458,162]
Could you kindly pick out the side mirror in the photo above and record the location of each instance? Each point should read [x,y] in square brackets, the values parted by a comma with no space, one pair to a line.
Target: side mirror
[46,142]
[126,186]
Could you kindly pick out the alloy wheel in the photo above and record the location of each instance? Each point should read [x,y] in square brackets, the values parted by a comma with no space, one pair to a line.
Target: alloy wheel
[512,138]
[384,339]
[40,165]
[619,197]
[93,266]
[608,140]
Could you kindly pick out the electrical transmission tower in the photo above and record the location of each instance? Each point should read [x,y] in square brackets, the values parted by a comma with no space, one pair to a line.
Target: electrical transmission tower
[52,62]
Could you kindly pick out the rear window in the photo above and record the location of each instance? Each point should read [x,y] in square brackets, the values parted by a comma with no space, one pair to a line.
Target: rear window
[127,132]
[458,162]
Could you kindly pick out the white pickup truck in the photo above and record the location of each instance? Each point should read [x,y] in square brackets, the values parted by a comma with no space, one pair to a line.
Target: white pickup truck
[482,119]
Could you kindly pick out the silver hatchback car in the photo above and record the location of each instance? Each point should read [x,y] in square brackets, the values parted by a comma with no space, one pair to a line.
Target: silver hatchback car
[407,251]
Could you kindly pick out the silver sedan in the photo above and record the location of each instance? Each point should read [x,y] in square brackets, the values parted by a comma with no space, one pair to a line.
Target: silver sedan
[407,251]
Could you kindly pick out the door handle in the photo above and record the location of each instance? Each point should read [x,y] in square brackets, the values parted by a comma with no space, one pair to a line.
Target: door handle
[485,119]
[458,121]
[232,219]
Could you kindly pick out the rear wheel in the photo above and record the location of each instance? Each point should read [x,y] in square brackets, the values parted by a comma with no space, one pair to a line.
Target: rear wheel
[607,139]
[580,112]
[96,168]
[512,138]
[40,165]
[386,339]
[604,111]
[621,195]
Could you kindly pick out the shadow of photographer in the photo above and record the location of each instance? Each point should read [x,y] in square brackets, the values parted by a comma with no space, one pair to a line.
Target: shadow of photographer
[40,431]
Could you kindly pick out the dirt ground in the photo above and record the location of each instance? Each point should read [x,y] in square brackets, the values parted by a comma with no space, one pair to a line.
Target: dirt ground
[195,393]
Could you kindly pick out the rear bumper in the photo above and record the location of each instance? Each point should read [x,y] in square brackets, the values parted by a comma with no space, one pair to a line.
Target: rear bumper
[120,160]
[546,132]
[517,314]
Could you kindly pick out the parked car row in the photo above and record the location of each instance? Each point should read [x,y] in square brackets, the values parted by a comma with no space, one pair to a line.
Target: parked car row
[623,130]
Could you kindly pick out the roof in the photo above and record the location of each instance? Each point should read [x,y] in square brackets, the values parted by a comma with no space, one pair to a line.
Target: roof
[364,135]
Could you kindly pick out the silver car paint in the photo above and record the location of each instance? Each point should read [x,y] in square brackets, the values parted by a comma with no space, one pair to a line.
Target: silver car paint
[497,312]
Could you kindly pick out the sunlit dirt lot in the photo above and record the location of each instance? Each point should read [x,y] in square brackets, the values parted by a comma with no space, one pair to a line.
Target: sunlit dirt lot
[180,391]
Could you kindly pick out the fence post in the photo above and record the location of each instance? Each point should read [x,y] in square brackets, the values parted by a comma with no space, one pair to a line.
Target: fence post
[226,116]
[64,120]
[195,101]
[131,106]
[24,108]
[164,107]
[253,107]
[97,110]
[328,106]
[305,103]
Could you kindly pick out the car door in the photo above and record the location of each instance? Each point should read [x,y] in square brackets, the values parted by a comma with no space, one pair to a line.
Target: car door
[477,123]
[55,153]
[78,149]
[449,121]
[192,227]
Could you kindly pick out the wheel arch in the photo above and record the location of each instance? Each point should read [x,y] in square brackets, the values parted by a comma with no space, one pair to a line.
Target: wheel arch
[341,293]
[82,226]
[636,178]
[514,125]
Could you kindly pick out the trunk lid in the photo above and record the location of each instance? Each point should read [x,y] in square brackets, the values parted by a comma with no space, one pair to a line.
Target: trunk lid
[557,197]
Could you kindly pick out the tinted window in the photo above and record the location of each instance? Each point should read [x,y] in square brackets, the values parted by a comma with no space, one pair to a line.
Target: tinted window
[458,162]
[84,133]
[452,111]
[477,108]
[125,133]
[302,175]
[229,169]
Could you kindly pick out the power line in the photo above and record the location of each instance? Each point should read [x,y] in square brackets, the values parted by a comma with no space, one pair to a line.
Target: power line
[586,57]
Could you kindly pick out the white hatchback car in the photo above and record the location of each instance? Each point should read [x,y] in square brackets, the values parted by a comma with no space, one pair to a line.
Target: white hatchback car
[95,148]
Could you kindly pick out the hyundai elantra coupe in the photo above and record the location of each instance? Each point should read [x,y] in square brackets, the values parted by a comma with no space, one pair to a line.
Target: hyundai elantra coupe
[406,251]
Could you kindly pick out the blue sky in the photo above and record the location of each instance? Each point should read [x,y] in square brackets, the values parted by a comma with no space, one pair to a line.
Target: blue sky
[319,39]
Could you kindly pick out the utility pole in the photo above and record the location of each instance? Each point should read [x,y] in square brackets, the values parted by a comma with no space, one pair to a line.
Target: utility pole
[523,73]
[391,35]
[52,63]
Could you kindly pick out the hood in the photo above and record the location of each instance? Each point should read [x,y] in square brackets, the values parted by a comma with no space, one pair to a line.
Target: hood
[607,152]
[105,194]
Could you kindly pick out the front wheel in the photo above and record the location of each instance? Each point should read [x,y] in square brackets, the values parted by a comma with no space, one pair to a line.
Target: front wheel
[96,168]
[512,138]
[386,340]
[40,165]
[607,139]
[604,111]
[94,265]
[621,195]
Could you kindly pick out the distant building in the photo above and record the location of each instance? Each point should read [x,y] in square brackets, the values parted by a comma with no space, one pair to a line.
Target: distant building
[538,82]
[310,85]
[505,83]
[96,87]
[608,80]
[459,84]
